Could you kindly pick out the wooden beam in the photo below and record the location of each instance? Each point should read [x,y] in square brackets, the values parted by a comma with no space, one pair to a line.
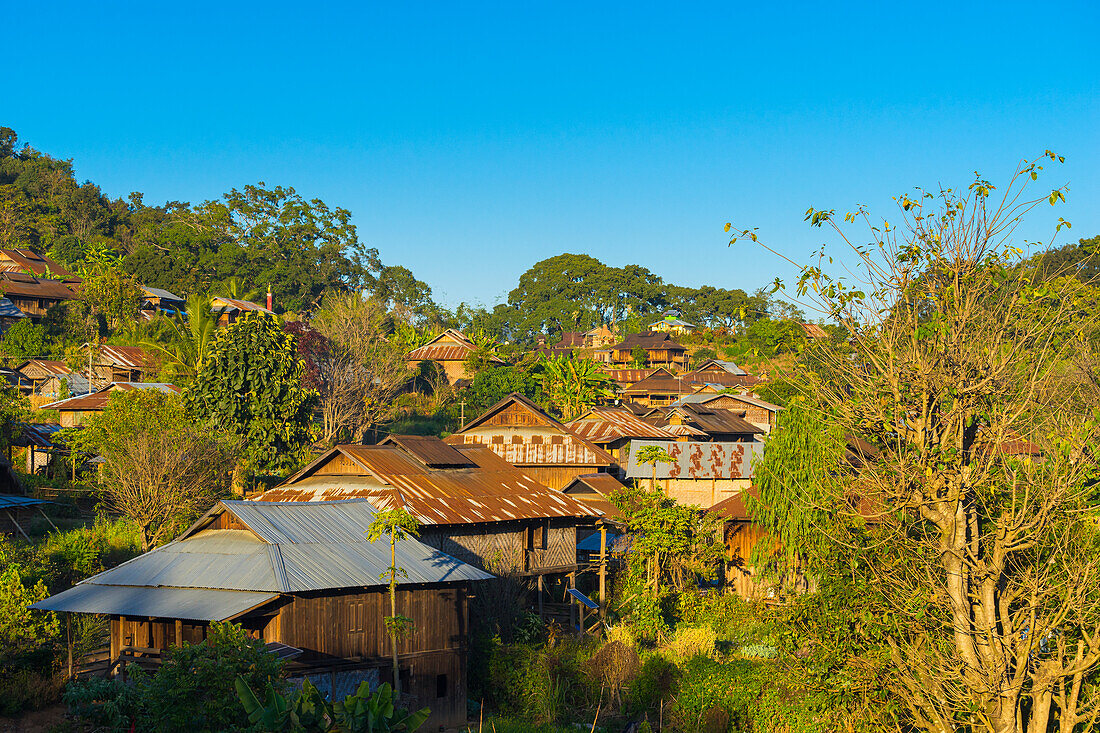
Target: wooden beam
[179,633]
[12,518]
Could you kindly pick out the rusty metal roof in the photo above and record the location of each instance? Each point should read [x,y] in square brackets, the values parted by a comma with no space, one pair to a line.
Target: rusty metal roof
[389,476]
[660,382]
[218,303]
[711,420]
[814,331]
[22,285]
[649,340]
[25,259]
[606,424]
[431,451]
[628,376]
[46,366]
[98,400]
[128,357]
[451,345]
[563,448]
[697,460]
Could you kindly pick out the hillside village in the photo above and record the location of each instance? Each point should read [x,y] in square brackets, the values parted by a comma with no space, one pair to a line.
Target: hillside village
[610,501]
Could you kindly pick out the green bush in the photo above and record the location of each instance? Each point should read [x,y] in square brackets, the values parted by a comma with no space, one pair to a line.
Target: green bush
[707,686]
[193,691]
[657,680]
[28,641]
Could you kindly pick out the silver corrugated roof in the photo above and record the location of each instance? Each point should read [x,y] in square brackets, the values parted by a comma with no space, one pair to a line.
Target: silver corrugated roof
[286,548]
[191,604]
[8,309]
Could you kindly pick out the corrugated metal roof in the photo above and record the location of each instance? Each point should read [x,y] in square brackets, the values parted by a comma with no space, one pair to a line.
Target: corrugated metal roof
[649,340]
[8,309]
[628,376]
[491,491]
[285,548]
[98,400]
[28,286]
[230,304]
[10,501]
[563,449]
[26,259]
[45,366]
[162,294]
[430,451]
[189,604]
[710,420]
[129,357]
[697,460]
[725,366]
[660,382]
[606,424]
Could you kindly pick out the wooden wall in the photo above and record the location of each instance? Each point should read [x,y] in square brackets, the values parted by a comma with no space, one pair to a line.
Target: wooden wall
[508,546]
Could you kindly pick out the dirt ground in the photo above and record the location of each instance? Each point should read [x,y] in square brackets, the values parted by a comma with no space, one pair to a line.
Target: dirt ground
[35,721]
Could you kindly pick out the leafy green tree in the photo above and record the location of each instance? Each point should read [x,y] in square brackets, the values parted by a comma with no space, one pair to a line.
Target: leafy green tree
[112,295]
[250,384]
[397,525]
[639,357]
[161,468]
[491,385]
[24,340]
[570,385]
[14,409]
[653,454]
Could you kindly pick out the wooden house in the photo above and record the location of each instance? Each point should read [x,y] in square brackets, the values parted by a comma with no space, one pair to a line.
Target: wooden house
[623,378]
[660,349]
[303,578]
[660,388]
[595,490]
[701,472]
[74,410]
[449,350]
[158,300]
[721,374]
[599,338]
[759,412]
[31,263]
[710,423]
[470,502]
[112,363]
[612,429]
[228,310]
[518,431]
[33,296]
[671,322]
[814,331]
[36,373]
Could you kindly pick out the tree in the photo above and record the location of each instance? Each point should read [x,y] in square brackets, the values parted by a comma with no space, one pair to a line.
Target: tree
[653,454]
[250,385]
[671,543]
[112,295]
[571,385]
[491,385]
[24,340]
[398,524]
[161,468]
[980,557]
[358,368]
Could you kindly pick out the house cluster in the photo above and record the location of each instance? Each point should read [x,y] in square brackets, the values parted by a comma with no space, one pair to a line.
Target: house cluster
[513,492]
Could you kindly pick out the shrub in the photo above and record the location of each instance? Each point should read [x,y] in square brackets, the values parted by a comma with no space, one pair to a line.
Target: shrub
[194,690]
[622,634]
[657,680]
[613,667]
[692,641]
[27,644]
[705,685]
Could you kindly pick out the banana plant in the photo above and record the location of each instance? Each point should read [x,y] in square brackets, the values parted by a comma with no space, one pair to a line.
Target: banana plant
[309,712]
[364,712]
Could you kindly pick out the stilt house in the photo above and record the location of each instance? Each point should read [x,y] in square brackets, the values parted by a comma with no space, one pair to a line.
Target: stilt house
[303,578]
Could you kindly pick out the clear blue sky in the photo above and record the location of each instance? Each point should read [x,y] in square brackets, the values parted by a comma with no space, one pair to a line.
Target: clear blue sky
[471,140]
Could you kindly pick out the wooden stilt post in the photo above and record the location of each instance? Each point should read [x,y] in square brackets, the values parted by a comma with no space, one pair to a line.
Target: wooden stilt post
[179,633]
[603,570]
[572,605]
[540,596]
[69,640]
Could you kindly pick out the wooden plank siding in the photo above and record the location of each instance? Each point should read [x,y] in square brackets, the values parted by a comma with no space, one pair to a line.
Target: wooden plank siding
[527,546]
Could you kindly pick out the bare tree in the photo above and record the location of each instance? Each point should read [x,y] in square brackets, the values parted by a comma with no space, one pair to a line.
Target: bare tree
[986,555]
[359,369]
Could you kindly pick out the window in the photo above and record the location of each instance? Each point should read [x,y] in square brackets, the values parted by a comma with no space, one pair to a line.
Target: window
[517,440]
[497,439]
[545,535]
[556,440]
[440,686]
[536,440]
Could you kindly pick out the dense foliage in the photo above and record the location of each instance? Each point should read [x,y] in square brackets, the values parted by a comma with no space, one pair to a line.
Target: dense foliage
[251,386]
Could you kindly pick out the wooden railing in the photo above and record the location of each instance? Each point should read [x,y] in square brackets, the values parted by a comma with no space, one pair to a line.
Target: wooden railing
[98,662]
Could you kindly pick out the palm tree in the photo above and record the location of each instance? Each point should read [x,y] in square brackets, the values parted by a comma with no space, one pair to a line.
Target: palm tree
[191,338]
[653,454]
